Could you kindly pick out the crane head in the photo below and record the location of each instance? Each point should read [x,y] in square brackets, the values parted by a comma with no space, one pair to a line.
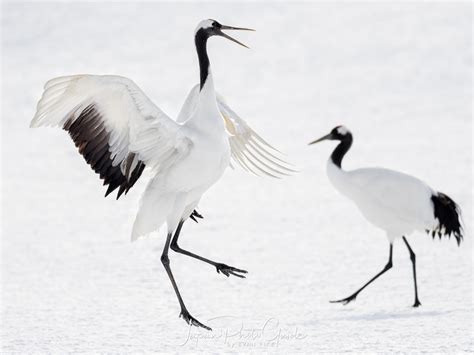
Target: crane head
[338,133]
[209,28]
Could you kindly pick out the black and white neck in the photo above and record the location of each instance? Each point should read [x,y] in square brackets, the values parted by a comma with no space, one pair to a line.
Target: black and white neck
[204,30]
[207,115]
[200,39]
[342,148]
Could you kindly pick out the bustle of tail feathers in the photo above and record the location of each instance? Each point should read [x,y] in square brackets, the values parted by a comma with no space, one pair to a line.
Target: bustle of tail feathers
[448,214]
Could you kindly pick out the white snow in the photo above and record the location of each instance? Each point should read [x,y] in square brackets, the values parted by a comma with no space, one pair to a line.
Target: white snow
[399,75]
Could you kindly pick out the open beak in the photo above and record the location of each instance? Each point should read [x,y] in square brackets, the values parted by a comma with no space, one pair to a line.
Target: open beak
[233,28]
[327,136]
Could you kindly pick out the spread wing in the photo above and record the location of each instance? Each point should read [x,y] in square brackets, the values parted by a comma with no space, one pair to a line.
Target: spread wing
[115,126]
[248,149]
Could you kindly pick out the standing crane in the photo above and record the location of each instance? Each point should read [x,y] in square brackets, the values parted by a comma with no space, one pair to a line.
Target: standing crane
[395,202]
[119,132]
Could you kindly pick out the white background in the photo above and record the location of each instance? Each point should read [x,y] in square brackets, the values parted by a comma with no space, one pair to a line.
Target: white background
[399,76]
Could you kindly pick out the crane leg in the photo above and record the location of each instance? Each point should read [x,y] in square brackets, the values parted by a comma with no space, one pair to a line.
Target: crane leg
[413,262]
[184,312]
[354,295]
[225,269]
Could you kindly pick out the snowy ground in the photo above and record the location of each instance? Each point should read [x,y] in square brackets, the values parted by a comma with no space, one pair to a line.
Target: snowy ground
[398,75]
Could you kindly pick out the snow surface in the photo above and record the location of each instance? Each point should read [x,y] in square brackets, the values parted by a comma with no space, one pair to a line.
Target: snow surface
[397,75]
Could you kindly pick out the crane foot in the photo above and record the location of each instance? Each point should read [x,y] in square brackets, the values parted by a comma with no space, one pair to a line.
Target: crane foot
[345,301]
[229,270]
[191,320]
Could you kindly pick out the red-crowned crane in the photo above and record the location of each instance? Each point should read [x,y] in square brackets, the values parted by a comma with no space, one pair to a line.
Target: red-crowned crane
[395,202]
[119,131]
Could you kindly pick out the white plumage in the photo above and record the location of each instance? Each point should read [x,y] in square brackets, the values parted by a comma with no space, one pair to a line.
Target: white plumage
[119,131]
[135,124]
[248,149]
[397,203]
[141,131]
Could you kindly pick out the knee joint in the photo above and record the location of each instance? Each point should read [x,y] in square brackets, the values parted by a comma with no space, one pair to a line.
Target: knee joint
[165,260]
[174,246]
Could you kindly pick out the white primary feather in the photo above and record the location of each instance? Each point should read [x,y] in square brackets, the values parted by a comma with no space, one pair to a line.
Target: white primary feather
[138,132]
[248,149]
[134,123]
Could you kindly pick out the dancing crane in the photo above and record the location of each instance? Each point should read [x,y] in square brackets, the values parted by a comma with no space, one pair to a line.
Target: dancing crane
[119,132]
[395,202]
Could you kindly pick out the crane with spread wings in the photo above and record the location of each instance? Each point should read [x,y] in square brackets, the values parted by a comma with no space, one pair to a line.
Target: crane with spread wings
[120,132]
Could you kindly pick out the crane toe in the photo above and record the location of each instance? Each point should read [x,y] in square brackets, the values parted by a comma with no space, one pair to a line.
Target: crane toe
[195,215]
[191,320]
[229,270]
[345,301]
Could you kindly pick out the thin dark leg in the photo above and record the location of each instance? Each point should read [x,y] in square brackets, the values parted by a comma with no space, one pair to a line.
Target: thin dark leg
[225,269]
[354,295]
[413,262]
[184,312]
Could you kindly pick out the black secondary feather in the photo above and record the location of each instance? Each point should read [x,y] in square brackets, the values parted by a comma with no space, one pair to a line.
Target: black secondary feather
[91,138]
[448,214]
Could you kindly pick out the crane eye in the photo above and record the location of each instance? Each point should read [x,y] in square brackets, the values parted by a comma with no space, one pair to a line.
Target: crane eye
[216,24]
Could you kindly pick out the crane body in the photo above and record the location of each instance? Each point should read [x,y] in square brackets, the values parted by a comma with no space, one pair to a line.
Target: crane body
[120,132]
[393,201]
